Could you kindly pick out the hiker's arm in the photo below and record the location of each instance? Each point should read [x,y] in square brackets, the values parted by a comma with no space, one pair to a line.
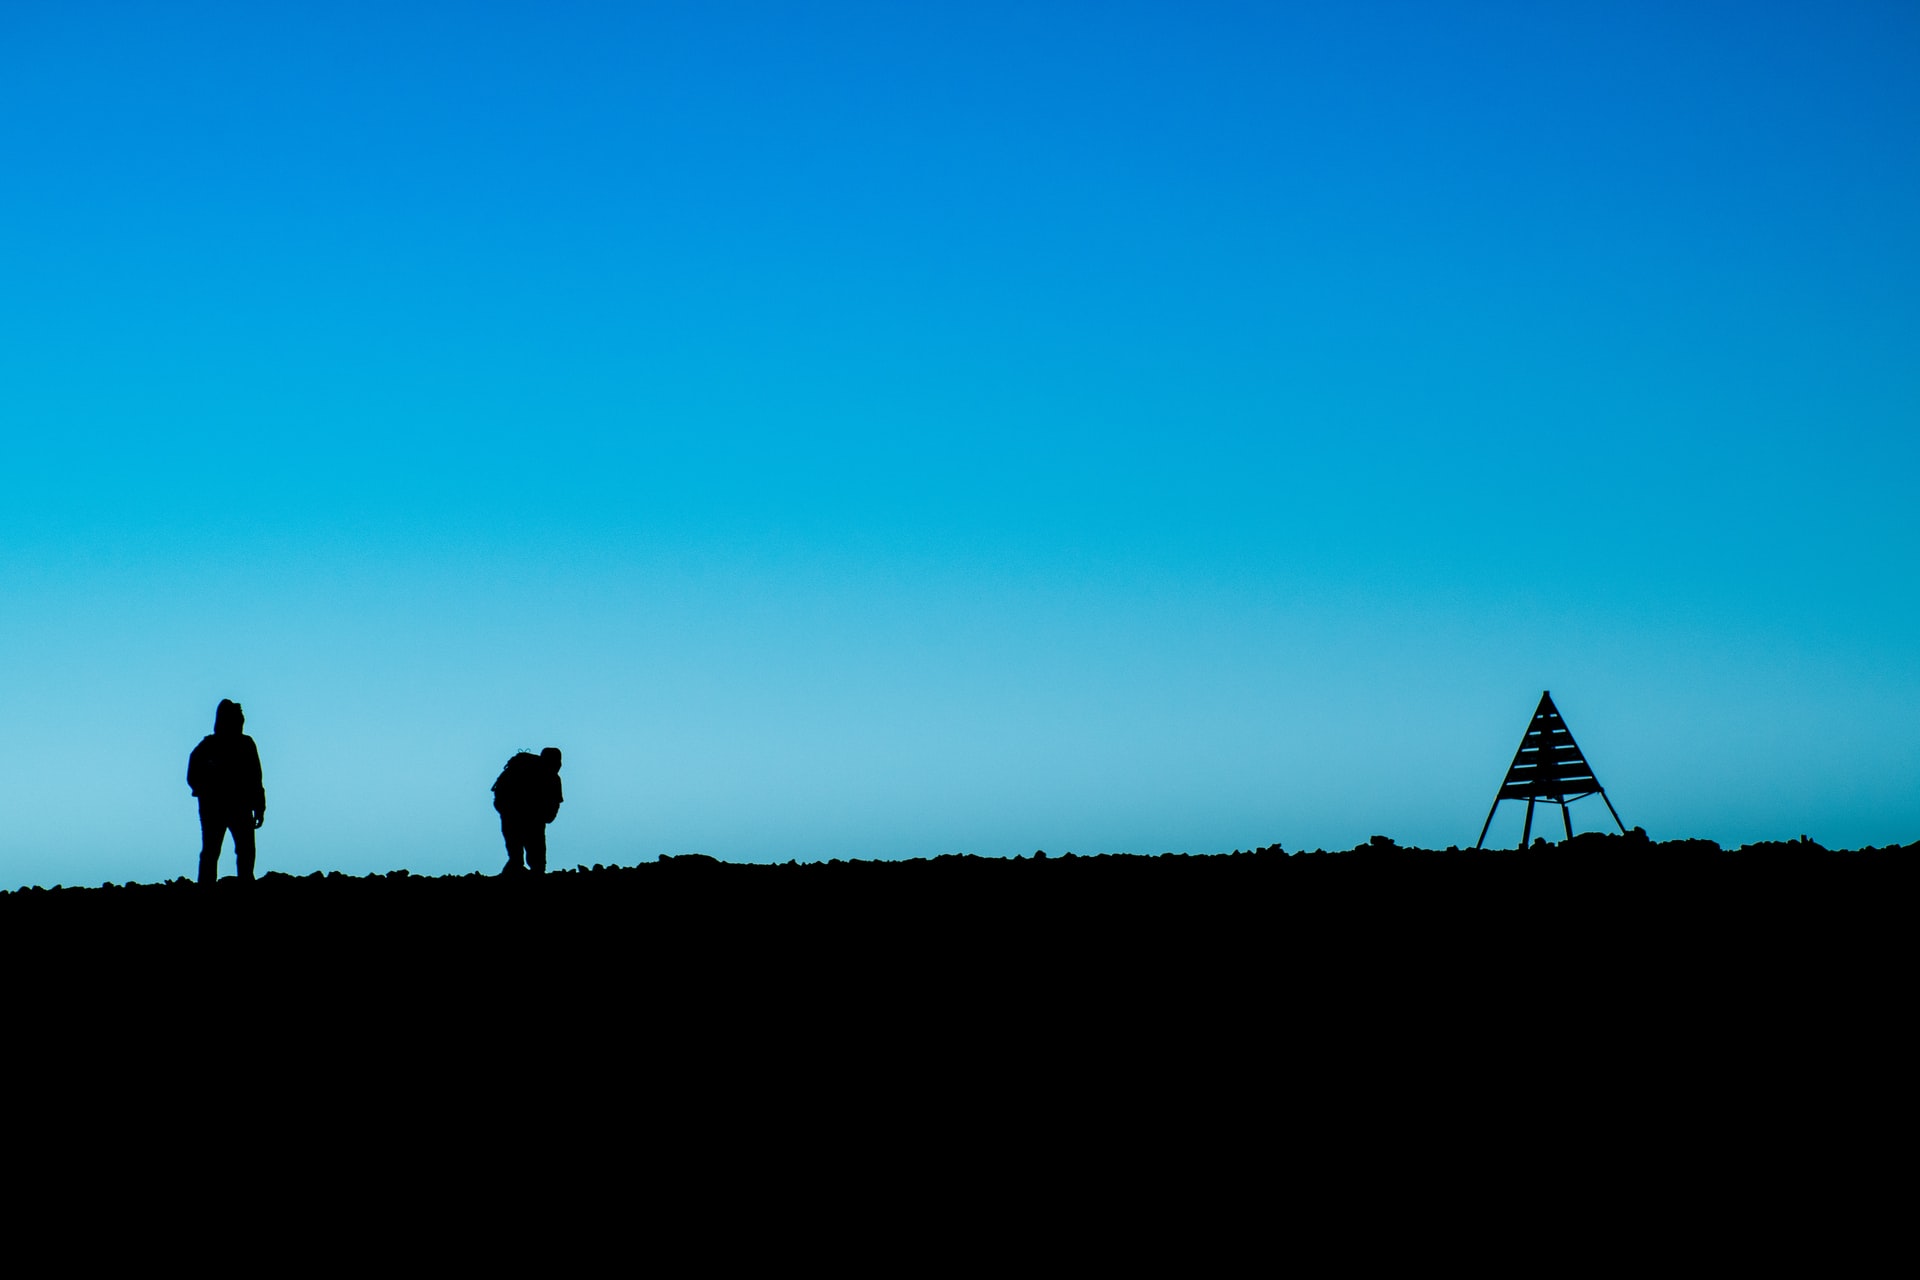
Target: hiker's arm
[259,790]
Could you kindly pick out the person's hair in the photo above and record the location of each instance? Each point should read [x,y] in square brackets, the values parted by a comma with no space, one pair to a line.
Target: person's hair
[228,714]
[552,756]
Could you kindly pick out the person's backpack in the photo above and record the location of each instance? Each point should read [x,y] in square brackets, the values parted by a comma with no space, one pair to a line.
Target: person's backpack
[514,788]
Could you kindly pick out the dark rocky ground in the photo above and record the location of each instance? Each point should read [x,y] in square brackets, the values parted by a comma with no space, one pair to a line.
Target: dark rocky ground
[1261,928]
[1263,1035]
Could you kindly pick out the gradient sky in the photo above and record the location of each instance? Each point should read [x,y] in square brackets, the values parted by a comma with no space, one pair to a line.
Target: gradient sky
[881,430]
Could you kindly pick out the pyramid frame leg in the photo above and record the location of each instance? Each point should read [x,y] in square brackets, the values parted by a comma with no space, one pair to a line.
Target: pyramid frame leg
[1613,811]
[1566,819]
[1526,831]
[1488,823]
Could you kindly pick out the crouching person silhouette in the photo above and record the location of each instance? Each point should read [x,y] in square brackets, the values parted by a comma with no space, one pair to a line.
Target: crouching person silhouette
[527,794]
[224,772]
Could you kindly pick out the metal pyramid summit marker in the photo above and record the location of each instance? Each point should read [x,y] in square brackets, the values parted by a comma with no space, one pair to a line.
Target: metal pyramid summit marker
[1548,766]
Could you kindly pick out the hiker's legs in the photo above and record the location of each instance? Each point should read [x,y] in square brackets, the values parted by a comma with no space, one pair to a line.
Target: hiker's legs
[510,831]
[212,829]
[242,827]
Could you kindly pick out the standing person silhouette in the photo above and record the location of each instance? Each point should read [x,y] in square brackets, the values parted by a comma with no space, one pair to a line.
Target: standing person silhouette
[224,772]
[527,794]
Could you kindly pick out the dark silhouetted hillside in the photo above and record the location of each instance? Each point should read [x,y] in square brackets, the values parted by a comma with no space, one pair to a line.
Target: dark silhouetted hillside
[1249,919]
[1247,1027]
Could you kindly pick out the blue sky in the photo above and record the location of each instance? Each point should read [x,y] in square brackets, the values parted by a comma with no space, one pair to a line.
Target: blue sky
[879,430]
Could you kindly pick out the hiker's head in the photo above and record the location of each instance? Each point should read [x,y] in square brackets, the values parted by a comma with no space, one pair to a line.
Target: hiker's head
[552,756]
[227,717]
